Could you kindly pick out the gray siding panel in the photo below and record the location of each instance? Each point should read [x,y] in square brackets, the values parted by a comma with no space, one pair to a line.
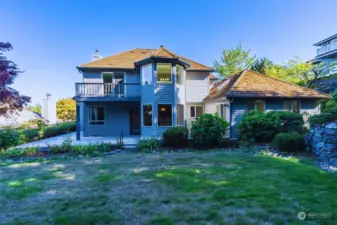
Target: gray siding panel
[116,119]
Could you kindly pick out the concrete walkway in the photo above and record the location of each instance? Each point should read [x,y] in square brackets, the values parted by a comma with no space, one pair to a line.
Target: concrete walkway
[128,141]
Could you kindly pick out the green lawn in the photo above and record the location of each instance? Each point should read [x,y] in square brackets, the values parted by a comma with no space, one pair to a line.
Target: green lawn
[175,188]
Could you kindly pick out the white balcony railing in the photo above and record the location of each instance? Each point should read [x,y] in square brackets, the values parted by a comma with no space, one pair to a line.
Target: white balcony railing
[107,89]
[327,48]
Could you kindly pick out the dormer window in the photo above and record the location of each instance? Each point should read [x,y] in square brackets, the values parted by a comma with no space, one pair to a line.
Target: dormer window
[164,73]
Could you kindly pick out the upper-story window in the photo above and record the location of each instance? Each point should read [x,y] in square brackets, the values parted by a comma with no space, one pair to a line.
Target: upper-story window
[180,75]
[147,74]
[164,73]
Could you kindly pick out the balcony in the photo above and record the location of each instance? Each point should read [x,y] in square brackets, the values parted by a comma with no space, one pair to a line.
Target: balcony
[327,48]
[108,91]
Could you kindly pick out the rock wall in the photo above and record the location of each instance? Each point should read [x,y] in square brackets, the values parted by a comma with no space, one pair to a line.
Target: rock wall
[322,140]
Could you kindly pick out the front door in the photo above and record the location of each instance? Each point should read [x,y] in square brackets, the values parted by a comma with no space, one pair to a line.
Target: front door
[135,122]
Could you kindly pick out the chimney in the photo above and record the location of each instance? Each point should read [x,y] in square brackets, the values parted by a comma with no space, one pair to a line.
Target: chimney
[96,56]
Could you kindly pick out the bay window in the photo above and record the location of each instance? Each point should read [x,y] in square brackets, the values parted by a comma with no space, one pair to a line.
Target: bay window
[164,73]
[147,74]
[147,115]
[180,75]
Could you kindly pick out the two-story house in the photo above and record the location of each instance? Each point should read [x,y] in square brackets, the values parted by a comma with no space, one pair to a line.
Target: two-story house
[140,92]
[327,53]
[145,91]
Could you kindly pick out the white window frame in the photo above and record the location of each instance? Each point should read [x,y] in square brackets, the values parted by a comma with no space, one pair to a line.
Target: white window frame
[164,82]
[182,75]
[292,105]
[158,114]
[143,115]
[89,120]
[195,110]
[147,65]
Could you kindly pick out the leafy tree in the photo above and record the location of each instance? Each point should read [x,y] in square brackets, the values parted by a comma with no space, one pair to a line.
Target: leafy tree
[261,65]
[35,108]
[66,109]
[10,99]
[233,61]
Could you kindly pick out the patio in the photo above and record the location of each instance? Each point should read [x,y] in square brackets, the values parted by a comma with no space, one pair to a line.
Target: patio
[129,141]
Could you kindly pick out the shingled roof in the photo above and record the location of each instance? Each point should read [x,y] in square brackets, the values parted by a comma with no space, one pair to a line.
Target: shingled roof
[127,60]
[250,84]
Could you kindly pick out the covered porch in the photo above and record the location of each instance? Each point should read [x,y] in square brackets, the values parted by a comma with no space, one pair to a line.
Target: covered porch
[108,119]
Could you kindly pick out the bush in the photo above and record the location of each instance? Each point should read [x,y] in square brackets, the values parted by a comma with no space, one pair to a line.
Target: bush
[264,126]
[175,137]
[29,135]
[9,138]
[259,126]
[290,121]
[208,130]
[322,118]
[148,145]
[16,152]
[289,142]
[58,129]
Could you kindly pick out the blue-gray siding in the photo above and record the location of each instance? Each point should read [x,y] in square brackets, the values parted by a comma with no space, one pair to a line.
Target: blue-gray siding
[239,108]
[116,119]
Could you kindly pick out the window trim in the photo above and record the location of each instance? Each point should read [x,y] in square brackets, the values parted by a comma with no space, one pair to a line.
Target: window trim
[255,105]
[182,115]
[292,105]
[164,82]
[96,106]
[195,110]
[142,81]
[143,115]
[158,114]
[182,76]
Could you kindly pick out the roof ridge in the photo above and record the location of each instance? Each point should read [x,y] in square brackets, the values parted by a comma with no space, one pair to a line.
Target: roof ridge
[194,61]
[296,85]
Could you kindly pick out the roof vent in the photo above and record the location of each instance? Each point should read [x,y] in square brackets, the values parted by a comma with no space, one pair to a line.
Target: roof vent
[162,46]
[97,56]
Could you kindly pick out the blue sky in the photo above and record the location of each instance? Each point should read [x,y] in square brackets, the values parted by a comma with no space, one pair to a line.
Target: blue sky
[50,38]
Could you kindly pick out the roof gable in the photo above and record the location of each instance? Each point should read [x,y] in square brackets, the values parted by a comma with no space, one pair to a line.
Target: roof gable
[250,84]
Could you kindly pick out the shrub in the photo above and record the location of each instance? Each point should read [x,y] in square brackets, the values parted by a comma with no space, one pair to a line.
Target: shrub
[58,129]
[29,135]
[264,126]
[175,137]
[259,126]
[289,142]
[9,138]
[16,152]
[290,121]
[208,130]
[322,118]
[148,145]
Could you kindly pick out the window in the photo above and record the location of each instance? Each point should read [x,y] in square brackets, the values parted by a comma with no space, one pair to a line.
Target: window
[180,75]
[164,115]
[222,110]
[147,115]
[96,115]
[147,74]
[164,73]
[196,111]
[292,106]
[256,106]
[180,115]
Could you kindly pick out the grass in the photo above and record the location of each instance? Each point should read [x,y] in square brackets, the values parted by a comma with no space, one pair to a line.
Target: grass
[177,188]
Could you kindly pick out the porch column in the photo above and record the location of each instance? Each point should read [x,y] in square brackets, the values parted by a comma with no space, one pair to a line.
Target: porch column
[78,121]
[174,105]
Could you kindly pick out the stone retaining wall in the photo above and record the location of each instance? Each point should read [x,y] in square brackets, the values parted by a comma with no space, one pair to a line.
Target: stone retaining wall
[322,140]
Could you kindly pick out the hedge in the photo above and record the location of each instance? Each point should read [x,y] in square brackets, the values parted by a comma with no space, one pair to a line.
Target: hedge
[13,137]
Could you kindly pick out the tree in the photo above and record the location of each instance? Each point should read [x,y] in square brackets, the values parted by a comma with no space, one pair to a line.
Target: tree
[10,99]
[66,109]
[233,61]
[261,65]
[35,108]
